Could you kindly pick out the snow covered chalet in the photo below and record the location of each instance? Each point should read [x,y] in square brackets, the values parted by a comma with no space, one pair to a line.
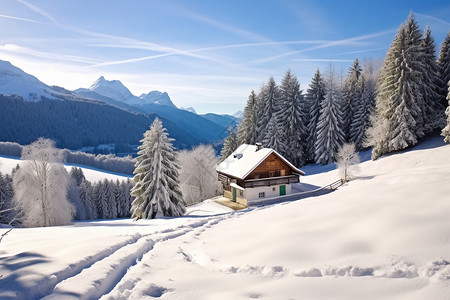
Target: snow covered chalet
[253,172]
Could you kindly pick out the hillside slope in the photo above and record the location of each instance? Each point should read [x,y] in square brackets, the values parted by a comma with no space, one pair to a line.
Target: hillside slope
[384,235]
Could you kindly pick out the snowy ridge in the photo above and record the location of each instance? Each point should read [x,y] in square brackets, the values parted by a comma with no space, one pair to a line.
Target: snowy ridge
[115,90]
[14,81]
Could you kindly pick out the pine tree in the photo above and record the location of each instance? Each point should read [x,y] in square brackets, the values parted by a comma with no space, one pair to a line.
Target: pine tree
[291,119]
[444,68]
[156,190]
[446,130]
[431,83]
[363,107]
[108,194]
[7,212]
[351,93]
[100,200]
[119,198]
[267,105]
[399,107]
[315,95]
[247,129]
[274,138]
[329,131]
[86,196]
[229,144]
[77,174]
[127,187]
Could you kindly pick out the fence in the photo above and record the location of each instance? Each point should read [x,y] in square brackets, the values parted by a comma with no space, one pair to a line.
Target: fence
[297,196]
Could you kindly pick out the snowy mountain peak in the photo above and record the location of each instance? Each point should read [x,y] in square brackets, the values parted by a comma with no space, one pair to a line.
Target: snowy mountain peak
[189,109]
[113,89]
[157,97]
[15,81]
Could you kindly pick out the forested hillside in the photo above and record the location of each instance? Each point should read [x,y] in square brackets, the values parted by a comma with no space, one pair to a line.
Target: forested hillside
[75,124]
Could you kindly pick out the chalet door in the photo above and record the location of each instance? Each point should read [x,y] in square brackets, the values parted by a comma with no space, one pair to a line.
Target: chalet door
[234,194]
[282,190]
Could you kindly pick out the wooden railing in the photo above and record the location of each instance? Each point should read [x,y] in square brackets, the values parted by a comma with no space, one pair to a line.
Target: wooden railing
[297,196]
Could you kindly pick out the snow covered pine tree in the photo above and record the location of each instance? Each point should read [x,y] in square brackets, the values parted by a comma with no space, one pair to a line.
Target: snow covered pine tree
[314,96]
[156,184]
[329,127]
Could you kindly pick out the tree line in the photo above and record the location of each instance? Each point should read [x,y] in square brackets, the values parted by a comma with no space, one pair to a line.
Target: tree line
[107,162]
[388,110]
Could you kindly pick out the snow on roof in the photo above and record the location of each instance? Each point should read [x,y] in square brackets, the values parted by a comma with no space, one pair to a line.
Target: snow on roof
[246,158]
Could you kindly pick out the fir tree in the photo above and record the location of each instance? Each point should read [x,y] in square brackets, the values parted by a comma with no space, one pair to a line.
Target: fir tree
[363,107]
[78,175]
[400,102]
[229,144]
[86,196]
[267,106]
[291,120]
[100,200]
[314,97]
[7,211]
[432,109]
[444,68]
[247,130]
[108,194]
[351,93]
[274,138]
[446,130]
[329,131]
[156,190]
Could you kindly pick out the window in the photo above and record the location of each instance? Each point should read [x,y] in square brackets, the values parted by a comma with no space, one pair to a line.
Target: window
[241,193]
[262,195]
[271,173]
[273,189]
[282,172]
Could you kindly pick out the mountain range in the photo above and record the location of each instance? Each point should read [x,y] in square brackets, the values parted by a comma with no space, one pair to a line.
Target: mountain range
[191,128]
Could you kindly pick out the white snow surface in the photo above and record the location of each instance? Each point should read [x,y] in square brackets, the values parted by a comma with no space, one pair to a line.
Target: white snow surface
[383,235]
[7,163]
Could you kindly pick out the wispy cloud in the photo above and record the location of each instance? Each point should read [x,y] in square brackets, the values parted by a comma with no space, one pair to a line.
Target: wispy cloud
[361,51]
[127,61]
[321,60]
[436,19]
[343,42]
[20,19]
[221,25]
[39,11]
[12,48]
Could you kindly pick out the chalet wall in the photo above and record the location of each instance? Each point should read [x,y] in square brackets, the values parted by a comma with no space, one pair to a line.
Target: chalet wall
[253,193]
[270,164]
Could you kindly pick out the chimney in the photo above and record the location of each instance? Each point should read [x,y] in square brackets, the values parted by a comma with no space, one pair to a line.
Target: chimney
[258,146]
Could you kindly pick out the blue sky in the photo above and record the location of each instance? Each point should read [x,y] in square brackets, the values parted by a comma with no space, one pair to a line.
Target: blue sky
[205,54]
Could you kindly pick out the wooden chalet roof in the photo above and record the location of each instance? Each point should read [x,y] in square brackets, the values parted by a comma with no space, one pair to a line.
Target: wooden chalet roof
[246,158]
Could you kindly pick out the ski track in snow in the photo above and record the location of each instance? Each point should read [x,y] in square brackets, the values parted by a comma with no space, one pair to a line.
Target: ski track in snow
[107,270]
[124,287]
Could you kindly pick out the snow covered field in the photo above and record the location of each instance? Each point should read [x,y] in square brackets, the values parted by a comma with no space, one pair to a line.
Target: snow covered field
[7,163]
[384,235]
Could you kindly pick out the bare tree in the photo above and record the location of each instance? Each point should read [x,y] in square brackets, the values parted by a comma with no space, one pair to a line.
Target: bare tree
[347,159]
[40,186]
[198,175]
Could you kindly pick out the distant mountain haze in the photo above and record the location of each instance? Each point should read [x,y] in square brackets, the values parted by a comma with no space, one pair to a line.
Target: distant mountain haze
[110,100]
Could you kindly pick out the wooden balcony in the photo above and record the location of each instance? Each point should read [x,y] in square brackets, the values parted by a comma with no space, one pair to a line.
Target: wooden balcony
[271,181]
